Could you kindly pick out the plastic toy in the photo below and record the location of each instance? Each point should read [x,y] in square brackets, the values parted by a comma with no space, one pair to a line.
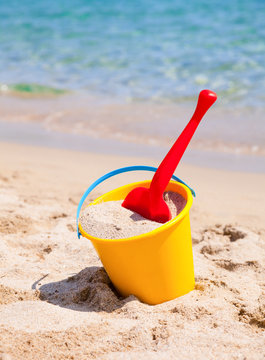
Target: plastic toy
[149,202]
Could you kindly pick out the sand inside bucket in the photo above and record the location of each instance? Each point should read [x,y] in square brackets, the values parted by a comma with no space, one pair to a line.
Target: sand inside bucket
[109,220]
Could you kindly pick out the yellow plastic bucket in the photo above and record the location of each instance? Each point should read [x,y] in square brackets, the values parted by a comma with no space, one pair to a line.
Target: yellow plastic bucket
[156,266]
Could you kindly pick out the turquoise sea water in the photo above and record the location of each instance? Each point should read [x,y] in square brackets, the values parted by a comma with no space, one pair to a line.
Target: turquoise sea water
[139,50]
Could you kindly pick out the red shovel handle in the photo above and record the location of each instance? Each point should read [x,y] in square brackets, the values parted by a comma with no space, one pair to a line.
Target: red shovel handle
[170,162]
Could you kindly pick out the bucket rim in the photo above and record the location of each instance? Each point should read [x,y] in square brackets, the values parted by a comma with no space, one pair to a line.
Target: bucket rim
[114,173]
[164,227]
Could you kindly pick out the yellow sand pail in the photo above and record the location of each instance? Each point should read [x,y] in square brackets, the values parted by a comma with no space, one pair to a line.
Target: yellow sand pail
[156,266]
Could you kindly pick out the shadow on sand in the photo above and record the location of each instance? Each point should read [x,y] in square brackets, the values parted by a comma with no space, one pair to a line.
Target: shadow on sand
[89,290]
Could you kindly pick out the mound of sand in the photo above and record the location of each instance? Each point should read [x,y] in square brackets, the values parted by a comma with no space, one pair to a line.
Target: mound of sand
[109,220]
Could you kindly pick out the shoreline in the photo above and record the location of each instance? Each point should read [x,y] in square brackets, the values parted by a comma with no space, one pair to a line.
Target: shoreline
[236,131]
[36,135]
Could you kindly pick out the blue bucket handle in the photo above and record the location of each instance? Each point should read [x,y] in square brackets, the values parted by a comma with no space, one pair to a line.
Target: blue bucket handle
[116,172]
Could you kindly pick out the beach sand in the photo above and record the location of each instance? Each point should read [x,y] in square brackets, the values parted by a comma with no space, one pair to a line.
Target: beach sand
[57,302]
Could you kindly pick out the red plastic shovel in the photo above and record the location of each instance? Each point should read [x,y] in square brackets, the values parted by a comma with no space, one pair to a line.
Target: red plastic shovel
[149,202]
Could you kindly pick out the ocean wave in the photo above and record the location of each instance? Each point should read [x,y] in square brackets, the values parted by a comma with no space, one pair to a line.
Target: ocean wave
[28,89]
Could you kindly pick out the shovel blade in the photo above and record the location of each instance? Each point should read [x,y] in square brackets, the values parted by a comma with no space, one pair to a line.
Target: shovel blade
[139,201]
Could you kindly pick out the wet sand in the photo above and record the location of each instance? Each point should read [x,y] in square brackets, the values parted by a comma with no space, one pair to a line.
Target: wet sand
[238,131]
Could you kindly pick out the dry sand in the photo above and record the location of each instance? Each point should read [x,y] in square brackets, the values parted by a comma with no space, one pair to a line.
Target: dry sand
[109,220]
[56,301]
